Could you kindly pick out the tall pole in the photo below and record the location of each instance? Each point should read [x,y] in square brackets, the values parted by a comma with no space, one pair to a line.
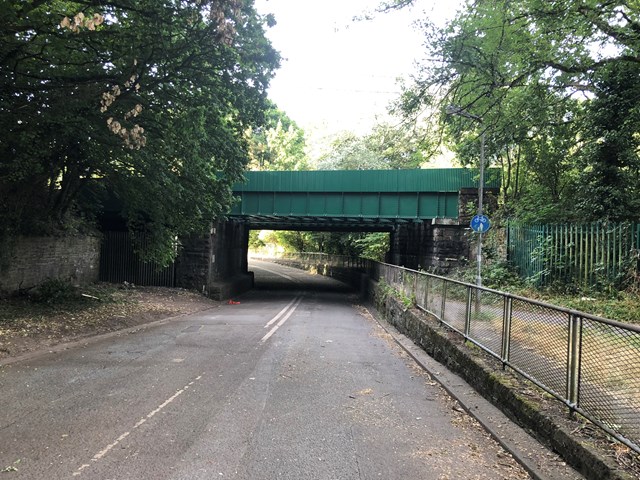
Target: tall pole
[480,211]
[455,110]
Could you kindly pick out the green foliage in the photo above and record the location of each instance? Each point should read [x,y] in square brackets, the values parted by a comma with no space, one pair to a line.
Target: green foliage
[608,184]
[387,291]
[553,86]
[147,100]
[355,244]
[349,151]
[386,147]
[374,245]
[55,291]
[497,275]
[255,243]
[292,241]
[278,145]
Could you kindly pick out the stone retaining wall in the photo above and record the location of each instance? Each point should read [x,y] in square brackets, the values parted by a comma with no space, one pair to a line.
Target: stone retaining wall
[26,262]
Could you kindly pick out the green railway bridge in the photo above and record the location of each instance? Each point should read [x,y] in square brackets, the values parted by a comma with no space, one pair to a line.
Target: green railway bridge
[425,212]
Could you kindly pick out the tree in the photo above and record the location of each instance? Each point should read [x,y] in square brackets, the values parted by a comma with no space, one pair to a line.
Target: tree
[373,245]
[385,147]
[608,182]
[148,100]
[533,72]
[279,144]
[294,241]
[348,151]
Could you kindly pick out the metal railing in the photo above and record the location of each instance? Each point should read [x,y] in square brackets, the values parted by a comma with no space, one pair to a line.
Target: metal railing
[119,262]
[581,253]
[590,364]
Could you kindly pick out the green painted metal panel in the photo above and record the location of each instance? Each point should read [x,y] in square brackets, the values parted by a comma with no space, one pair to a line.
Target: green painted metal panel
[333,202]
[352,205]
[298,204]
[317,204]
[428,205]
[266,203]
[251,203]
[388,206]
[370,204]
[435,180]
[408,205]
[377,194]
[282,205]
[451,206]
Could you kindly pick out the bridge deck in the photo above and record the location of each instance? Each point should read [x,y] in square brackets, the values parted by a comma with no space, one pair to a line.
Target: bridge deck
[348,199]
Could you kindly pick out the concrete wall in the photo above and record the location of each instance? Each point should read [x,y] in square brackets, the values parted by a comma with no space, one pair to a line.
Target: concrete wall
[26,262]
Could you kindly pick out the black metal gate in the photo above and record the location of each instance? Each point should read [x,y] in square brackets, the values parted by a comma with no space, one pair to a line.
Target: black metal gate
[120,263]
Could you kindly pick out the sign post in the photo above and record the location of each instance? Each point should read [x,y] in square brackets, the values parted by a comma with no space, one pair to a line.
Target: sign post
[479,223]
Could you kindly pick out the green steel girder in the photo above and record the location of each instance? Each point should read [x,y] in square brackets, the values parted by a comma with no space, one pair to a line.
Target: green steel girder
[366,199]
[349,204]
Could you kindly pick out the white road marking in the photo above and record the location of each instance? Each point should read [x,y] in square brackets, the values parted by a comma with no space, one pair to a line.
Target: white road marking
[282,312]
[284,319]
[143,420]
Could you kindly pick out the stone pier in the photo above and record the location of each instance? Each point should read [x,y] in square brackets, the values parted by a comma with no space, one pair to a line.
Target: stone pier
[436,245]
[216,264]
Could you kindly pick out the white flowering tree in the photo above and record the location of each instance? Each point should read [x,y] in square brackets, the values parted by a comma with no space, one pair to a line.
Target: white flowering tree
[148,99]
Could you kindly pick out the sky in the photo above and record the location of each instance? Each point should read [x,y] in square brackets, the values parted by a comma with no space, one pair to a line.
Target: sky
[338,74]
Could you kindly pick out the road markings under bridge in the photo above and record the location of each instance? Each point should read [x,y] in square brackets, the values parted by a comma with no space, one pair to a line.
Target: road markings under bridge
[287,312]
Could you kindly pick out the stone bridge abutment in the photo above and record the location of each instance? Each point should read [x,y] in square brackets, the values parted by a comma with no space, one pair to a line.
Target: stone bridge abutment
[434,245]
[216,264]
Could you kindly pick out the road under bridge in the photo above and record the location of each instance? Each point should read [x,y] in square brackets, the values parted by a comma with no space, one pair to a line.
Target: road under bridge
[425,211]
[295,382]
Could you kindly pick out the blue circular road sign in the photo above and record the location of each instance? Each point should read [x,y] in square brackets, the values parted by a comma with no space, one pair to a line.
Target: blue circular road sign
[480,223]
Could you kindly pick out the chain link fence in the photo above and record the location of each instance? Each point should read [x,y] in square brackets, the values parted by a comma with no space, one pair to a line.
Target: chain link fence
[590,364]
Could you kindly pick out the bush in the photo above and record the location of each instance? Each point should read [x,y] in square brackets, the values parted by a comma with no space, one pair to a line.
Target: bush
[55,290]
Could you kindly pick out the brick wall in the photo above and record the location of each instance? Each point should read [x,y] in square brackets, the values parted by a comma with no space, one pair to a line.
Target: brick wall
[28,261]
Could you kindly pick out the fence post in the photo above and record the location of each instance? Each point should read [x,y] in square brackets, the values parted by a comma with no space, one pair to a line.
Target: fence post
[573,364]
[427,286]
[444,299]
[467,320]
[506,330]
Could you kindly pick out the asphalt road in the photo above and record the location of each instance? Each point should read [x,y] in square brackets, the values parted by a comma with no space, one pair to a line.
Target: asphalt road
[294,382]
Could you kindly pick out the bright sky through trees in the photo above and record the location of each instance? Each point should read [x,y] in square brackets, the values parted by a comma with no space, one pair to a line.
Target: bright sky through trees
[340,74]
